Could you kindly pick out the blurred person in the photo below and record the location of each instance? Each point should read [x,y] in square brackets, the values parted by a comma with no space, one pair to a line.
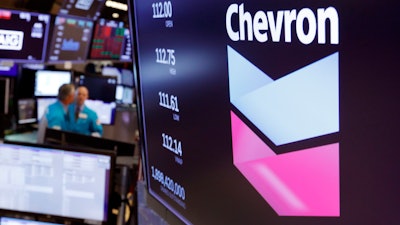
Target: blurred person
[56,114]
[82,119]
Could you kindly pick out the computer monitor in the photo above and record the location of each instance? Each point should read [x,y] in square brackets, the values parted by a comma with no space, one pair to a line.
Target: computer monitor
[19,221]
[23,36]
[124,94]
[83,8]
[70,40]
[112,71]
[5,83]
[26,111]
[109,41]
[9,71]
[124,76]
[127,95]
[72,184]
[119,93]
[104,110]
[127,77]
[42,104]
[100,87]
[47,82]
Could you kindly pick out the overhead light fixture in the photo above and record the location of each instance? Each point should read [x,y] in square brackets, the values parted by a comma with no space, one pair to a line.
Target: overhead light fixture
[117,5]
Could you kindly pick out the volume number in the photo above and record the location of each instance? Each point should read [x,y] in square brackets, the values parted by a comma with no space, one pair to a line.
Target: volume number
[157,175]
[167,182]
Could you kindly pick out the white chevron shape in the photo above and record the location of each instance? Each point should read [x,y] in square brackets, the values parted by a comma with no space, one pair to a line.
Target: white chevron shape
[301,105]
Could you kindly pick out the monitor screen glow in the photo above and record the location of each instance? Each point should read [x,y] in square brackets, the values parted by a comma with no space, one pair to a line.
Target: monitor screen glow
[70,40]
[18,221]
[83,8]
[9,71]
[111,40]
[105,111]
[42,104]
[70,183]
[112,71]
[23,36]
[47,82]
[127,77]
[26,111]
[124,94]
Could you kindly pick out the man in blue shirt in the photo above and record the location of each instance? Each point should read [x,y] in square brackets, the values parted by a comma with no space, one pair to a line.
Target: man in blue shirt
[57,113]
[82,119]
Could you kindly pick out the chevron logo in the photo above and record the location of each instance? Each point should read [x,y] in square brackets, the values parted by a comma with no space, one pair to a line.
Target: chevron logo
[297,107]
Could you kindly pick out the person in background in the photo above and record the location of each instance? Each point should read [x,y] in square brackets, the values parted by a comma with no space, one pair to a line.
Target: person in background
[82,119]
[57,113]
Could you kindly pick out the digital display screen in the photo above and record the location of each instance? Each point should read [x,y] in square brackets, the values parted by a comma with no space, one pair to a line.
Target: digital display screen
[26,111]
[83,8]
[124,94]
[9,71]
[47,82]
[42,104]
[23,36]
[111,71]
[71,39]
[104,110]
[270,112]
[111,40]
[127,77]
[73,183]
[100,87]
[18,221]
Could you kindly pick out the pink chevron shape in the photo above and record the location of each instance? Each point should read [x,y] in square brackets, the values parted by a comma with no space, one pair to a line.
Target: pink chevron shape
[247,146]
[300,183]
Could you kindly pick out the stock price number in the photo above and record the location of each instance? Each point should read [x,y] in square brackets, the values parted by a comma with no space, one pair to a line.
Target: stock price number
[162,9]
[168,101]
[167,182]
[165,56]
[172,144]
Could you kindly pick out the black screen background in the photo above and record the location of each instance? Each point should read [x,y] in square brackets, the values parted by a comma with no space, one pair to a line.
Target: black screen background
[216,192]
[33,49]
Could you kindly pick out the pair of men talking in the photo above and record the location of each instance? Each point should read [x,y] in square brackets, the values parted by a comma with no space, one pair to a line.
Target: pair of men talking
[69,112]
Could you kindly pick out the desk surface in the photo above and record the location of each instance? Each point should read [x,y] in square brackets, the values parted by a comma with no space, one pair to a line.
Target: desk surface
[29,137]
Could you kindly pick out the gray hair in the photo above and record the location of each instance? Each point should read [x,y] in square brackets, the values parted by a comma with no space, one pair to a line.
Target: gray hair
[65,90]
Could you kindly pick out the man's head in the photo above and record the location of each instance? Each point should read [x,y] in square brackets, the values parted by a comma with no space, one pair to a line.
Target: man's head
[82,94]
[66,93]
